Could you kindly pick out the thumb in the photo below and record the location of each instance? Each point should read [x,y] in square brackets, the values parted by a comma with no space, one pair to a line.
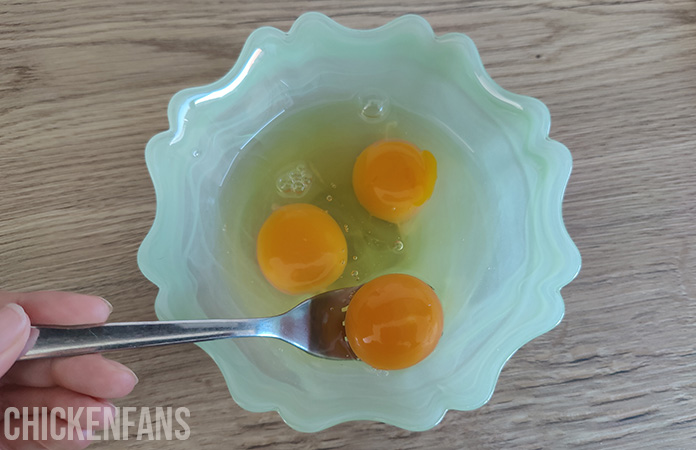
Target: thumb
[14,333]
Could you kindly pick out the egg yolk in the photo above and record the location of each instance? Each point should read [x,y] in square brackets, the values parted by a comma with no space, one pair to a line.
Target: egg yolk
[301,249]
[394,322]
[392,179]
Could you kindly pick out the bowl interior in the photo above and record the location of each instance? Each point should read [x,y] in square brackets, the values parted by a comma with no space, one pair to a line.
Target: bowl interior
[481,240]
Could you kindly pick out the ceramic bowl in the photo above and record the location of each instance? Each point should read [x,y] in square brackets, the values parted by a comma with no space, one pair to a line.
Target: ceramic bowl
[491,240]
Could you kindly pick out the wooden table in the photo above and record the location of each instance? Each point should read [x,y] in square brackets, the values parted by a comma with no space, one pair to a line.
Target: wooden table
[85,84]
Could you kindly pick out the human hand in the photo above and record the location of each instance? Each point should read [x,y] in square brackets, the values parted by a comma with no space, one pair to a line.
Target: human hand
[80,381]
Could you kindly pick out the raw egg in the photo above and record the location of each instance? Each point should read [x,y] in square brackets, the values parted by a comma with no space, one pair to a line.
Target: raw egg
[301,249]
[394,321]
[392,179]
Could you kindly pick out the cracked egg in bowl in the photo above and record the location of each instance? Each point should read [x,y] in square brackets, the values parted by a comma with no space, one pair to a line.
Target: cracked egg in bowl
[322,116]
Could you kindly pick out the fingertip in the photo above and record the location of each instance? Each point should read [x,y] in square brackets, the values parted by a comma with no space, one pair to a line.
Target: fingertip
[20,316]
[67,437]
[124,379]
[31,341]
[64,308]
[108,304]
[104,308]
[14,332]
[94,375]
[94,309]
[107,416]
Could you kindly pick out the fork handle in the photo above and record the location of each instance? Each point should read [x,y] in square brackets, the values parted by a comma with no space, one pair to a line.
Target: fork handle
[73,341]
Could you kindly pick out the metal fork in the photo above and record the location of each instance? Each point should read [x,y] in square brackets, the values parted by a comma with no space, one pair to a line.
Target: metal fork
[315,326]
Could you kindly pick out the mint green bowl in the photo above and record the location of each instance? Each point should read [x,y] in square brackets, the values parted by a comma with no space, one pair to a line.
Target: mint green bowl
[495,246]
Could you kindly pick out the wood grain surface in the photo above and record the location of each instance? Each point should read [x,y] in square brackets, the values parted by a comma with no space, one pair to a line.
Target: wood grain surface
[85,84]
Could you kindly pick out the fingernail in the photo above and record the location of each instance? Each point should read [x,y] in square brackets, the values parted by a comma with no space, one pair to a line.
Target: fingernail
[13,319]
[109,405]
[135,377]
[123,368]
[111,307]
[112,409]
[33,336]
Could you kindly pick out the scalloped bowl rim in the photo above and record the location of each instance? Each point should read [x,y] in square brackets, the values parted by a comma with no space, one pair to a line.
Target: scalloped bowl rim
[534,108]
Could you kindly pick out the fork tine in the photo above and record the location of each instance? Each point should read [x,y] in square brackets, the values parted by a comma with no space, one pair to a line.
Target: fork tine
[317,325]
